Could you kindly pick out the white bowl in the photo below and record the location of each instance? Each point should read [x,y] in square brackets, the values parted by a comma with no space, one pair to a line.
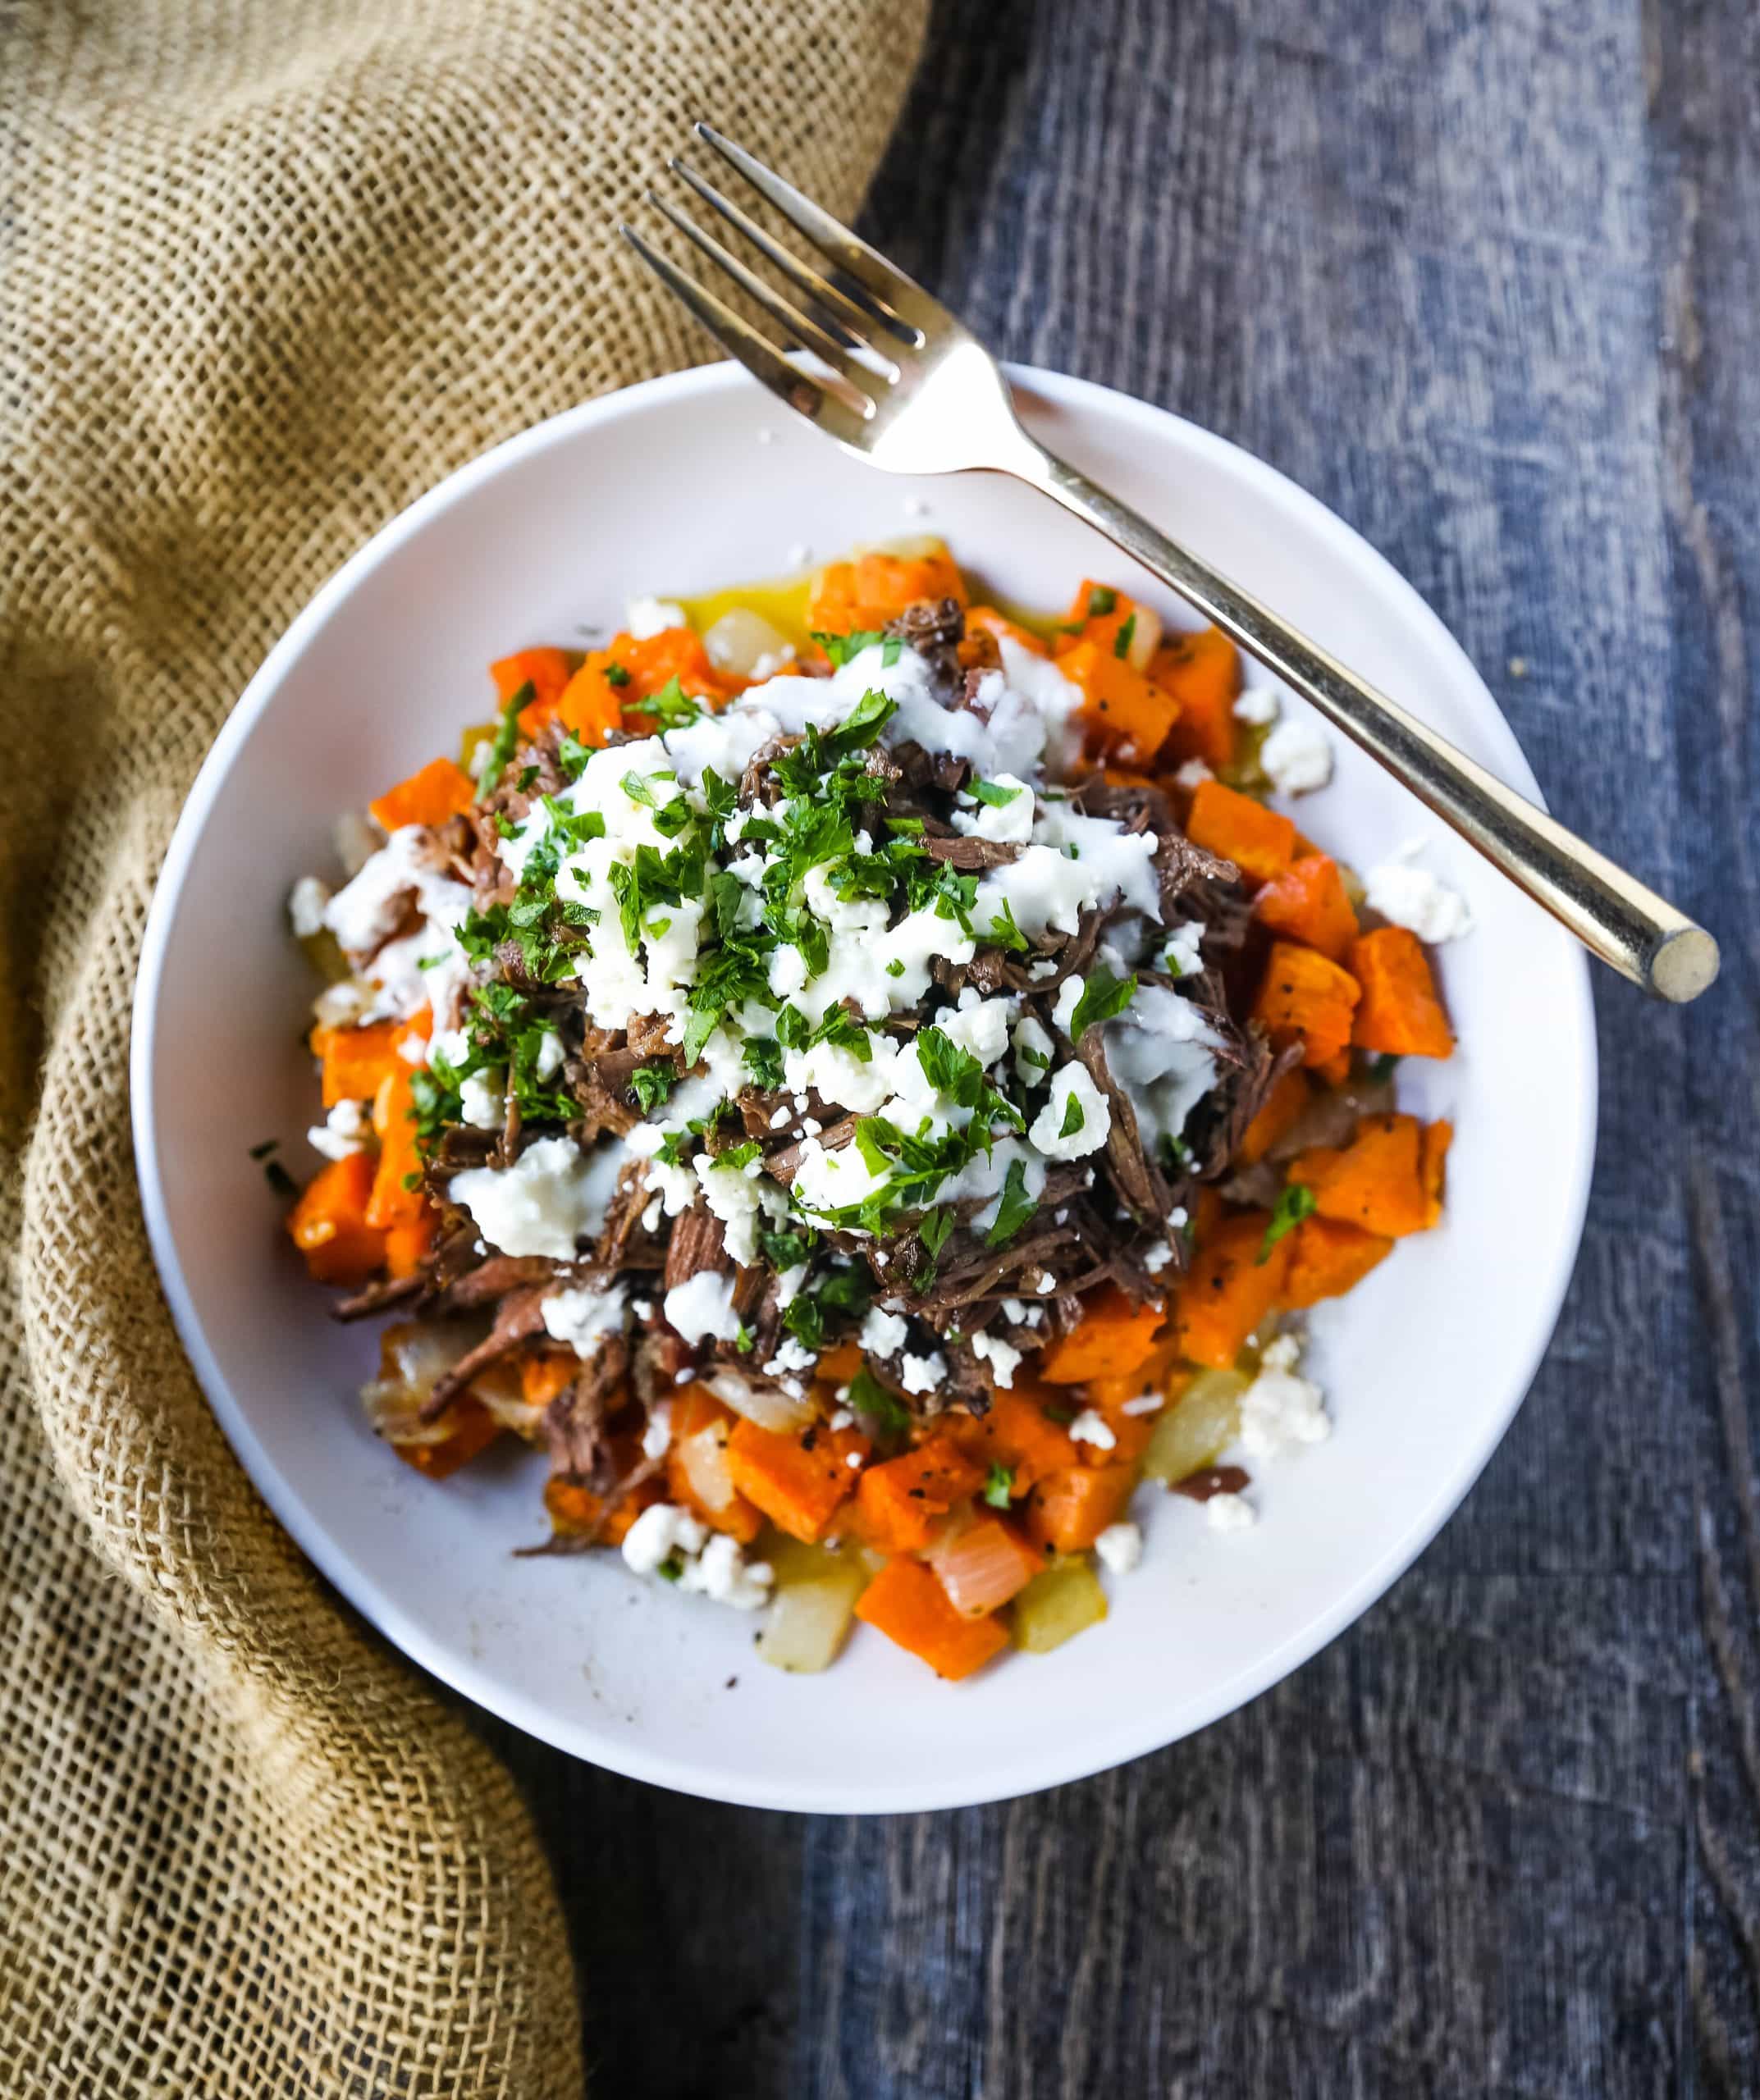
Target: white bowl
[678,486]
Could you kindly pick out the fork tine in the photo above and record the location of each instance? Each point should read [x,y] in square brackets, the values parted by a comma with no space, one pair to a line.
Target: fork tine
[778,309]
[806,395]
[889,288]
[838,306]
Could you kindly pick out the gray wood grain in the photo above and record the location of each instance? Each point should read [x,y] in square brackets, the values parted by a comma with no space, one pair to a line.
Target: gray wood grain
[1483,275]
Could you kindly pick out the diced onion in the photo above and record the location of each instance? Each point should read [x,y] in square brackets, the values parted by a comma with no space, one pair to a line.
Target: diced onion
[740,640]
[768,1406]
[981,1567]
[1199,1424]
[413,1354]
[702,1457]
[812,1605]
[1145,636]
[1061,1601]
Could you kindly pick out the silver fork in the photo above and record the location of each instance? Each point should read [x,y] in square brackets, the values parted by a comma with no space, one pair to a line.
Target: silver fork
[898,380]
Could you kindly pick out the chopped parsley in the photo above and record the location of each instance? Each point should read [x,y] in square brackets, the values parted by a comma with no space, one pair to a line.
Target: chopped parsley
[1015,1208]
[1073,1118]
[1122,639]
[1102,996]
[1383,1068]
[1101,601]
[1294,1204]
[933,1229]
[885,1413]
[998,1484]
[616,675]
[671,708]
[505,741]
[840,648]
[650,1084]
[987,790]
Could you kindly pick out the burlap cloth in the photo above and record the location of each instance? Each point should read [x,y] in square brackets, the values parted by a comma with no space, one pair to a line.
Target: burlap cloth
[271,269]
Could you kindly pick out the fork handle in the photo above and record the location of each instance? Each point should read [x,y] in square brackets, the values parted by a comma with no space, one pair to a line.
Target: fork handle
[1614,916]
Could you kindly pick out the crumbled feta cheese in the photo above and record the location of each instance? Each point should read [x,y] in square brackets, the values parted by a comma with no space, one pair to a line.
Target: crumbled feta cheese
[1033,1052]
[1146,1404]
[656,1433]
[1002,1356]
[1185,949]
[1230,1512]
[1258,705]
[841,1418]
[1091,1427]
[792,1354]
[1155,1259]
[1120,1547]
[549,1060]
[1075,1120]
[553,1195]
[306,905]
[1297,756]
[1412,897]
[703,1306]
[923,1374]
[722,1572]
[1193,774]
[884,1334]
[1160,1051]
[1064,1004]
[663,1529]
[980,1026]
[781,1118]
[346,1129]
[1010,822]
[1281,1410]
[647,617]
[482,1103]
[579,1317]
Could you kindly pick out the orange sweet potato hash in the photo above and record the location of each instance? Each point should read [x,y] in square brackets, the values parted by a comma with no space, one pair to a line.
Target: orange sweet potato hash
[861,1102]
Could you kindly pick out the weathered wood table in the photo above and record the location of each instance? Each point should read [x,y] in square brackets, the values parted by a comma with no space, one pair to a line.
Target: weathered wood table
[1484,275]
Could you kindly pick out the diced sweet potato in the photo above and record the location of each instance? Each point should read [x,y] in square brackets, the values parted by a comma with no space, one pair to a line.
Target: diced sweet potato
[1115,1336]
[1234,826]
[545,670]
[858,596]
[902,1502]
[1328,1257]
[442,789]
[1121,711]
[1228,1290]
[1278,1113]
[1432,1161]
[1203,673]
[797,1484]
[1068,1511]
[1306,998]
[1307,903]
[471,1429]
[1016,1434]
[1400,1013]
[991,622]
[1374,1182]
[907,1603]
[330,1225]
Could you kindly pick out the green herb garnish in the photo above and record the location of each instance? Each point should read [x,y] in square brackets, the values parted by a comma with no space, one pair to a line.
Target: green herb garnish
[1294,1204]
[1102,996]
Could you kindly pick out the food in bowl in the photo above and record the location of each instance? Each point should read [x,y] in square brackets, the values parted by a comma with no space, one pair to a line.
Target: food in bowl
[864,1081]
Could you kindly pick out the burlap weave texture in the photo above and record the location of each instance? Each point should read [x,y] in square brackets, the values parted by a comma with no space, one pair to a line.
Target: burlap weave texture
[271,269]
